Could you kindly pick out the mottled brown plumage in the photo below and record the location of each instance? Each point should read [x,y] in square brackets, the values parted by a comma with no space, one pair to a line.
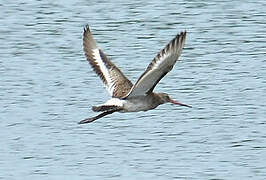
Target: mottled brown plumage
[125,96]
[159,66]
[119,85]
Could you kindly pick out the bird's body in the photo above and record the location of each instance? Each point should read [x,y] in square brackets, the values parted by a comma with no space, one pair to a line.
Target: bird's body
[127,97]
[138,103]
[141,103]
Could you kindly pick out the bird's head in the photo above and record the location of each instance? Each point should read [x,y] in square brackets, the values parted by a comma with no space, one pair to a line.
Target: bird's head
[165,98]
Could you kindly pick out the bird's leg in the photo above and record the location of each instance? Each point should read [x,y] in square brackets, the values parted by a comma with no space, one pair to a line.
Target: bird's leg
[105,108]
[89,120]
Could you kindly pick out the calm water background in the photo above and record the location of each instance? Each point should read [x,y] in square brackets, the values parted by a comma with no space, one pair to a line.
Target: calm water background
[47,86]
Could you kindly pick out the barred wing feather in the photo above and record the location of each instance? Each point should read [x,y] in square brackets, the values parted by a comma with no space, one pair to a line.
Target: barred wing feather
[159,67]
[114,80]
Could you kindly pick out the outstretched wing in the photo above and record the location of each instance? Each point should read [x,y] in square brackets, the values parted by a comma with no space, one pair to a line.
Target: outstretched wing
[159,67]
[114,80]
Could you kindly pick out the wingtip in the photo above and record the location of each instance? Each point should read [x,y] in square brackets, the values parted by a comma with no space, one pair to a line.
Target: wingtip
[183,33]
[87,28]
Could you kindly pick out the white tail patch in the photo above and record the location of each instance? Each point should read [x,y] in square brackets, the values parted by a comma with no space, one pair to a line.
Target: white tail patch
[115,102]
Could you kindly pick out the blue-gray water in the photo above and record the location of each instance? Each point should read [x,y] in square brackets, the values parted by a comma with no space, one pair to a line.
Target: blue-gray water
[47,86]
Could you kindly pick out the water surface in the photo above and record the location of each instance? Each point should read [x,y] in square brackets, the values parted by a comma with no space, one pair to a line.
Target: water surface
[47,86]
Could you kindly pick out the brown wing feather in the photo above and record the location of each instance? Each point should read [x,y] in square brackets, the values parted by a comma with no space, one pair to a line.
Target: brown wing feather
[159,67]
[115,81]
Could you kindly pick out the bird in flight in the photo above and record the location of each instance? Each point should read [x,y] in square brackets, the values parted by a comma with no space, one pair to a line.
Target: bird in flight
[126,97]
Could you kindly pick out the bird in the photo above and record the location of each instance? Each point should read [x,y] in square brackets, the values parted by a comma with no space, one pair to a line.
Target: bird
[126,96]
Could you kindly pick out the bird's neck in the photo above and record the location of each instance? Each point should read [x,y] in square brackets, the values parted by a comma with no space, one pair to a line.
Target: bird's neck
[157,98]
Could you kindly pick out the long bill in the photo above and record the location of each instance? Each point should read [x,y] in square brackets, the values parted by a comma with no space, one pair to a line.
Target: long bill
[179,103]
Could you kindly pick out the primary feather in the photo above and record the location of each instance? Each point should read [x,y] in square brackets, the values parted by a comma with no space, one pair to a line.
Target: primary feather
[159,67]
[114,80]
